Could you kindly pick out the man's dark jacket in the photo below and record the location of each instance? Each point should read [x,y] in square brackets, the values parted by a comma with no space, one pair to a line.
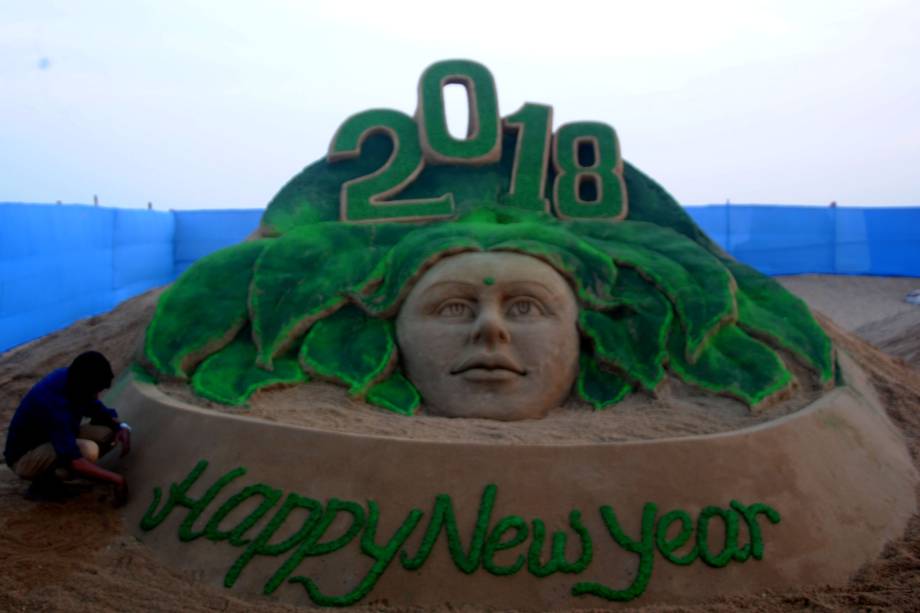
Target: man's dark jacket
[47,414]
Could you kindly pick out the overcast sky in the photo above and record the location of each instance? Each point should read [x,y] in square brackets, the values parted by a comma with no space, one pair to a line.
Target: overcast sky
[218,104]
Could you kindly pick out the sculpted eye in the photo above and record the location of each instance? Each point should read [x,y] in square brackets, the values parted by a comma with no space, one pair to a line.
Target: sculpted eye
[525,307]
[455,309]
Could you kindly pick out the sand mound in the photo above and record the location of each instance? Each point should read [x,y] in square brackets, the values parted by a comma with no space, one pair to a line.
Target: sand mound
[76,556]
[897,335]
[854,301]
[873,308]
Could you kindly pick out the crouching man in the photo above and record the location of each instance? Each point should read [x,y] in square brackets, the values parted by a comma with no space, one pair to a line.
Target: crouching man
[48,440]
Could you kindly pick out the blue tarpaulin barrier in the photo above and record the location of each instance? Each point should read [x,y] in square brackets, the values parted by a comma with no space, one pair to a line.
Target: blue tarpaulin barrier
[789,240]
[199,233]
[55,267]
[142,251]
[62,263]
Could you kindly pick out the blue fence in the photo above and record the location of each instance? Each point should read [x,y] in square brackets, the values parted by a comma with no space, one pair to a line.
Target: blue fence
[62,263]
[199,233]
[788,240]
[59,264]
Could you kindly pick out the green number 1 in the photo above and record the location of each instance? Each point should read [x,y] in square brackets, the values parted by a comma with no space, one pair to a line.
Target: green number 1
[534,126]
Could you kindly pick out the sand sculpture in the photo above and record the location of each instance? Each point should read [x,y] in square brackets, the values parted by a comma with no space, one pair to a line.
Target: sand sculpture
[317,294]
[494,277]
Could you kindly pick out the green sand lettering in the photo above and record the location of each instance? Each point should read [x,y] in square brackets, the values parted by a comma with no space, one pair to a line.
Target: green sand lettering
[178,496]
[509,532]
[382,556]
[750,513]
[730,547]
[494,544]
[261,546]
[198,506]
[270,497]
[443,515]
[311,545]
[667,546]
[644,547]
[153,518]
[557,562]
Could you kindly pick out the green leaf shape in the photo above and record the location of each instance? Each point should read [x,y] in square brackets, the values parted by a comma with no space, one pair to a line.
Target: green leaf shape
[395,394]
[503,215]
[203,310]
[406,262]
[766,310]
[231,375]
[694,280]
[632,340]
[307,274]
[735,365]
[591,271]
[599,387]
[350,347]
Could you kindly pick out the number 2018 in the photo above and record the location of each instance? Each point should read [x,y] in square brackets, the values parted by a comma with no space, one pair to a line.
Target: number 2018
[582,153]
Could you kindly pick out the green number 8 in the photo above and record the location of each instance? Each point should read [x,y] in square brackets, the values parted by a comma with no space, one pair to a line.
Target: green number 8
[605,170]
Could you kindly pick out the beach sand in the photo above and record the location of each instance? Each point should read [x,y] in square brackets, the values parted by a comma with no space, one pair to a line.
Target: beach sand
[78,556]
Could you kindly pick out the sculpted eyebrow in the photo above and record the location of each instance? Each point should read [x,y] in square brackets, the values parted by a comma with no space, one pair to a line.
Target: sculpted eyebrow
[441,286]
[444,289]
[528,285]
[533,288]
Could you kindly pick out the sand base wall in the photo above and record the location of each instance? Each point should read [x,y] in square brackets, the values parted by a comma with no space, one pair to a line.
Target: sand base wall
[838,473]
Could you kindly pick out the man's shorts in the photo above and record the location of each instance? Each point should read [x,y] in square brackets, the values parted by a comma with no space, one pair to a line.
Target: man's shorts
[93,441]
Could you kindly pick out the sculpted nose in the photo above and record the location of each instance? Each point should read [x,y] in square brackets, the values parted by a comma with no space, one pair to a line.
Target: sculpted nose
[490,329]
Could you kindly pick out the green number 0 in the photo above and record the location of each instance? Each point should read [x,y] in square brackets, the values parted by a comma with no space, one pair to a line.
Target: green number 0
[363,199]
[483,142]
[606,170]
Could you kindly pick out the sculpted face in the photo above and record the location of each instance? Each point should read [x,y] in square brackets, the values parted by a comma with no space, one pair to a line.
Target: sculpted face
[490,335]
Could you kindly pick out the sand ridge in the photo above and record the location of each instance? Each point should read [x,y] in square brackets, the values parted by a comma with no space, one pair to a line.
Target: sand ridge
[675,410]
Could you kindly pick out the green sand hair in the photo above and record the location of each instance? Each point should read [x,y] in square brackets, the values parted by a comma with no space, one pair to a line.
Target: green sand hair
[652,300]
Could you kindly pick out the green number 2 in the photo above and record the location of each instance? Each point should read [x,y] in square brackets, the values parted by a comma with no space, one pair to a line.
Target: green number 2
[363,199]
[604,170]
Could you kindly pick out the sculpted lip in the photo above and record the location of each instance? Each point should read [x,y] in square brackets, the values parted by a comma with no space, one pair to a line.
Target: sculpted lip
[496,364]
